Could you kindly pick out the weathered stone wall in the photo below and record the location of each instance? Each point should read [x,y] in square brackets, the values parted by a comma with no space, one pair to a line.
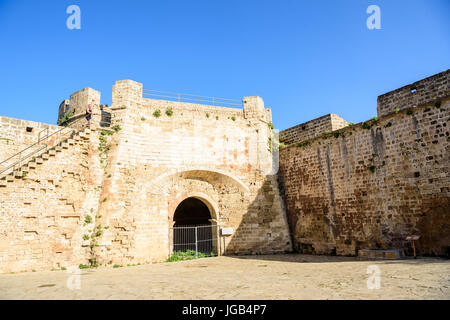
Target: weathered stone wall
[43,210]
[370,185]
[77,104]
[219,155]
[108,195]
[415,94]
[17,134]
[312,129]
[130,178]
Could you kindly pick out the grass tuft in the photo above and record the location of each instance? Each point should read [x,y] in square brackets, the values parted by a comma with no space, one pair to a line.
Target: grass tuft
[187,255]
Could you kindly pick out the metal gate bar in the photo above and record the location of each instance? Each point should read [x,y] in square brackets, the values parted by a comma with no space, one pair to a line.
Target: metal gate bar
[198,238]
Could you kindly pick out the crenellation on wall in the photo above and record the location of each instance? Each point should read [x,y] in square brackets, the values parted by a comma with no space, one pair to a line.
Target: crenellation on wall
[312,129]
[64,108]
[126,92]
[415,94]
[72,110]
[254,108]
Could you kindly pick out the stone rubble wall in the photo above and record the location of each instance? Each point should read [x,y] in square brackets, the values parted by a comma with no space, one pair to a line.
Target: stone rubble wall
[368,186]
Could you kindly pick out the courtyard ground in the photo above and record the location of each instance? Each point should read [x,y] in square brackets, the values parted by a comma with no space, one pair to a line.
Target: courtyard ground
[291,276]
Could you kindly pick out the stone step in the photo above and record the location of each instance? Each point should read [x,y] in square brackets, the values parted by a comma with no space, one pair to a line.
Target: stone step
[58,148]
[45,156]
[10,177]
[52,152]
[39,160]
[18,173]
[388,254]
[65,145]
[70,141]
[3,182]
[32,164]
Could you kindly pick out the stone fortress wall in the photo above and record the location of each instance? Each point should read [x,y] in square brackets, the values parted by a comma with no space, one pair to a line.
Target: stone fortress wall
[109,196]
[370,185]
[216,154]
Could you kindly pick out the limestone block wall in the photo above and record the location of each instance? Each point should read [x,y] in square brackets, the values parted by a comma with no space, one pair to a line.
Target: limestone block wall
[17,134]
[213,153]
[312,129]
[415,94]
[63,109]
[110,196]
[372,184]
[43,213]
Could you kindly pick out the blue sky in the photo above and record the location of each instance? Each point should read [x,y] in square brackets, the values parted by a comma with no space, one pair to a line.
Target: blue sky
[304,58]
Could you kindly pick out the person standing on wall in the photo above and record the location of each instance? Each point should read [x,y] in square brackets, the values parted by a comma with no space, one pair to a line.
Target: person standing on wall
[88,115]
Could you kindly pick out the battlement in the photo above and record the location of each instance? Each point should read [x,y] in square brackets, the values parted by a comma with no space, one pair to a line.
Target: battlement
[415,94]
[312,129]
[76,106]
[130,94]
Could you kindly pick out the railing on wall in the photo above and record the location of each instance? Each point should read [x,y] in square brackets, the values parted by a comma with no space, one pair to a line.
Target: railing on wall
[46,140]
[184,97]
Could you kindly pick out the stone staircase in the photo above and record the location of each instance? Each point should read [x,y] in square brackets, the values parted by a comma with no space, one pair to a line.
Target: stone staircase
[32,163]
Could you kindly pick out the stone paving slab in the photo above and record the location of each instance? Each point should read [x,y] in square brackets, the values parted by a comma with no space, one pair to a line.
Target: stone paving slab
[291,276]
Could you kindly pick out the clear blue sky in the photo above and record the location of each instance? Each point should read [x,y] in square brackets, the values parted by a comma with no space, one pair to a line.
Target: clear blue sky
[305,58]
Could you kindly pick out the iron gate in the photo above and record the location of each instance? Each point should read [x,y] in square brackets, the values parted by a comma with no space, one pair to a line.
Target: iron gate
[198,238]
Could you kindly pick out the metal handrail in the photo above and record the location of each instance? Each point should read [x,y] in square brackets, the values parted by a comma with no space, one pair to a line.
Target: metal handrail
[192,95]
[183,96]
[13,165]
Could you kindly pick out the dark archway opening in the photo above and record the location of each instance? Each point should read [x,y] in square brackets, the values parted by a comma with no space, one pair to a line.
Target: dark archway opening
[192,229]
[191,212]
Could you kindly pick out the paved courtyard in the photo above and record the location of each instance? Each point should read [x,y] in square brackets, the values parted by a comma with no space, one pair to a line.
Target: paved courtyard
[292,276]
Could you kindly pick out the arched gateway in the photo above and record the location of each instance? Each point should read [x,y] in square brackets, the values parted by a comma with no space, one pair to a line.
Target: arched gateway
[194,227]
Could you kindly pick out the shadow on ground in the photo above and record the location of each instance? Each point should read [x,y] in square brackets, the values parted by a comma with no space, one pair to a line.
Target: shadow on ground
[306,258]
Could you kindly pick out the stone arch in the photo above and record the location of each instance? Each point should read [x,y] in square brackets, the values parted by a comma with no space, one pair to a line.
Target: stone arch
[160,183]
[191,212]
[185,231]
[206,199]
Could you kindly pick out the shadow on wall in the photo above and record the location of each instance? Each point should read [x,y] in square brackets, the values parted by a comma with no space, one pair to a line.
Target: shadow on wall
[263,229]
[369,186]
